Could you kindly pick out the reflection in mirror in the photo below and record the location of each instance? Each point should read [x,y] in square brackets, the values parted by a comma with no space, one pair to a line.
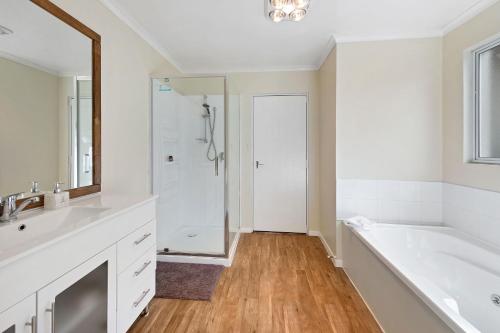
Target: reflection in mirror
[45,101]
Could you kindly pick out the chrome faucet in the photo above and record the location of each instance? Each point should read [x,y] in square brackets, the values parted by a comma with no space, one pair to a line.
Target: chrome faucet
[10,210]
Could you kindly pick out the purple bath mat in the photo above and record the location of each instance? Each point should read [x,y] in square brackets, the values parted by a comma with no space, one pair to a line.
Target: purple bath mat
[186,281]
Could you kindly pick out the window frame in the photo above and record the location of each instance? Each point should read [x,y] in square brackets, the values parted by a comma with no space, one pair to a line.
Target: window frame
[474,88]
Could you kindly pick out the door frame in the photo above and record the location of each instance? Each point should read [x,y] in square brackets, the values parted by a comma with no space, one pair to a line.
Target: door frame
[252,148]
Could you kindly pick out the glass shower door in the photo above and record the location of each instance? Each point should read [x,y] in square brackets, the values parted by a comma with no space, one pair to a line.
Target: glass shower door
[189,164]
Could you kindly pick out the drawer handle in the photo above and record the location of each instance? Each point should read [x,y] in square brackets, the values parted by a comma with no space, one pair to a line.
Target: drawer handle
[142,239]
[146,264]
[144,293]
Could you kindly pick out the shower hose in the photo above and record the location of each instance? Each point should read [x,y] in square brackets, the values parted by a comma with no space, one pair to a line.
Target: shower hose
[212,150]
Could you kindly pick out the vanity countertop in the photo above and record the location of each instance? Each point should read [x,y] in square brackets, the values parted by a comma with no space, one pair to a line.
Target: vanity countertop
[39,228]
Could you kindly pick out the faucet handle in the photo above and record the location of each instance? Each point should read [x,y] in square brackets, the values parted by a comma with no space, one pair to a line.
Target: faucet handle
[13,196]
[10,199]
[57,187]
[35,187]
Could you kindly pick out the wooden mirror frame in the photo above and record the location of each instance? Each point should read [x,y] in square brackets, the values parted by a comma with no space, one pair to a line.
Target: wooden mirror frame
[59,13]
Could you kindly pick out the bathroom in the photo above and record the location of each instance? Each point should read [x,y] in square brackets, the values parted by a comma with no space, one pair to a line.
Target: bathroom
[262,166]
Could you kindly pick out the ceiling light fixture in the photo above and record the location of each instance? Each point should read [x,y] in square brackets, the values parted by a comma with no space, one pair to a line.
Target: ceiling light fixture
[5,30]
[291,10]
[278,4]
[277,15]
[297,15]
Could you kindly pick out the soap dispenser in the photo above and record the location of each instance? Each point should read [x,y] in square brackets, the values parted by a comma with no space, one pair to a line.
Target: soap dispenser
[57,199]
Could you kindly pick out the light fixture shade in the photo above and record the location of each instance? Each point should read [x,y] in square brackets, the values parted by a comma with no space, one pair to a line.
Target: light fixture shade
[287,10]
[278,4]
[277,15]
[297,15]
[300,4]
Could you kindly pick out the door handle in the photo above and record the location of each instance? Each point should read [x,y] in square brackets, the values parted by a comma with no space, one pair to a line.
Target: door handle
[52,311]
[258,164]
[216,161]
[86,163]
[32,323]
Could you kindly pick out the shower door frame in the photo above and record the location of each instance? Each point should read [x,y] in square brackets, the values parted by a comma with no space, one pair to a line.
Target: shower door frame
[152,152]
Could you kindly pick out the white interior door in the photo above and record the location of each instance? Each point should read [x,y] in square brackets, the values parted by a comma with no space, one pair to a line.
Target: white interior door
[280,163]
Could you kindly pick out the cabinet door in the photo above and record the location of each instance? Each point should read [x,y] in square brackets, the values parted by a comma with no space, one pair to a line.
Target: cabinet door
[21,318]
[83,300]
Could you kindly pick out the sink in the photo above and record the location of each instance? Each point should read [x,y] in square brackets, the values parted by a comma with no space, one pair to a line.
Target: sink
[34,227]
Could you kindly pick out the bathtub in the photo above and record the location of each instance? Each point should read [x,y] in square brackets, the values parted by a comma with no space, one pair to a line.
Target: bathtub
[454,275]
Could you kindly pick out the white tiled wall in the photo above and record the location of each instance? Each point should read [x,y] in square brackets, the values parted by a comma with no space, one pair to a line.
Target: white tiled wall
[474,211]
[389,200]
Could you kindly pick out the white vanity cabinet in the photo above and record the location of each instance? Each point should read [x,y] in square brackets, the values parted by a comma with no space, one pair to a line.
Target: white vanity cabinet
[20,318]
[136,278]
[82,300]
[97,278]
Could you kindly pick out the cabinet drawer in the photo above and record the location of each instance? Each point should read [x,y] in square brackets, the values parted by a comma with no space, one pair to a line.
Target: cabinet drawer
[136,244]
[144,265]
[135,291]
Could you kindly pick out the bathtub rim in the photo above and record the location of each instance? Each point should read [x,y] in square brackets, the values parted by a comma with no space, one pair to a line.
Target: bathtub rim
[454,321]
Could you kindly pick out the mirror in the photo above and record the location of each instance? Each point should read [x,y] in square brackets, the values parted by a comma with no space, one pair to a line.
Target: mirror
[49,100]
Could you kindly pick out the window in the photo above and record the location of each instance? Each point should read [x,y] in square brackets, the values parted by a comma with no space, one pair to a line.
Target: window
[485,101]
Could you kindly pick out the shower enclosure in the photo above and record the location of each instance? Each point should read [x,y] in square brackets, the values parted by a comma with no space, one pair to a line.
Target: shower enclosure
[195,126]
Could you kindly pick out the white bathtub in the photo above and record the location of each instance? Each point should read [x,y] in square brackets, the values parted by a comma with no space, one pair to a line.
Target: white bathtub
[454,275]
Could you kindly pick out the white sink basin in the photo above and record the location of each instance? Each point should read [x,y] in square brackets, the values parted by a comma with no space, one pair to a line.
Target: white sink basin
[36,227]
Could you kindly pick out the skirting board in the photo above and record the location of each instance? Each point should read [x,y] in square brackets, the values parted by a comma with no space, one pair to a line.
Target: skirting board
[315,233]
[227,262]
[246,230]
[336,262]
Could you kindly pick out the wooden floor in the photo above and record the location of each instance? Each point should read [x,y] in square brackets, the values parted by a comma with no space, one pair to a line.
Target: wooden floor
[277,283]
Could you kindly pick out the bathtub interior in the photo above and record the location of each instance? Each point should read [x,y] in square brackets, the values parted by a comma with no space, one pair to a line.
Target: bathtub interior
[454,273]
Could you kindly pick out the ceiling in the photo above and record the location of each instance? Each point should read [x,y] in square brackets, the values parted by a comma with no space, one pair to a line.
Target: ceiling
[202,36]
[42,41]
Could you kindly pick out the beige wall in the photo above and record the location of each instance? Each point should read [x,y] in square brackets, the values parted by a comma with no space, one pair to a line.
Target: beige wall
[29,134]
[455,170]
[327,130]
[389,110]
[250,84]
[127,64]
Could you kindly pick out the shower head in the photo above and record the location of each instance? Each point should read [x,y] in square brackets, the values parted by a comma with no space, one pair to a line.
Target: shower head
[206,105]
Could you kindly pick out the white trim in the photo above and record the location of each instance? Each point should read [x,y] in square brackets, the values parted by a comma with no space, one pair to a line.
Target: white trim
[336,262]
[314,233]
[256,69]
[227,262]
[330,45]
[138,29]
[377,38]
[246,230]
[28,63]
[468,14]
[471,109]
[232,249]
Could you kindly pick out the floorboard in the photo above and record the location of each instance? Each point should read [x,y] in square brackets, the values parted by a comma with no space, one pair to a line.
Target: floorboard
[278,283]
